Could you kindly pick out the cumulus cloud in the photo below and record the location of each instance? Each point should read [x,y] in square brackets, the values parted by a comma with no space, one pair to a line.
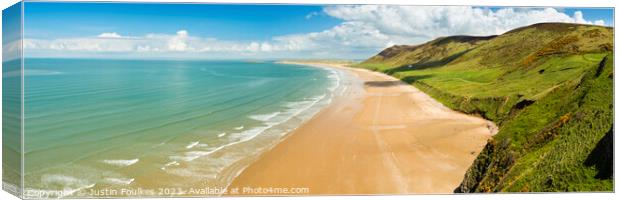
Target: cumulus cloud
[599,22]
[415,24]
[179,41]
[109,35]
[365,30]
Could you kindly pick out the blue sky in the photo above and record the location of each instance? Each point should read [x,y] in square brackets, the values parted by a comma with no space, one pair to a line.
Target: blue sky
[11,26]
[264,31]
[590,14]
[236,22]
[606,14]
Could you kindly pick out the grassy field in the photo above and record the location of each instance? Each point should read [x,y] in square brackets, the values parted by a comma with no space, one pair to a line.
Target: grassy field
[548,86]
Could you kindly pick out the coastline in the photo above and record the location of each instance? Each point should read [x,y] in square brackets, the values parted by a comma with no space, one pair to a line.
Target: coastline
[377,136]
[212,153]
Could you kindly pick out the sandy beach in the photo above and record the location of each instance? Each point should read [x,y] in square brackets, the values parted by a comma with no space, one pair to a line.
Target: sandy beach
[378,136]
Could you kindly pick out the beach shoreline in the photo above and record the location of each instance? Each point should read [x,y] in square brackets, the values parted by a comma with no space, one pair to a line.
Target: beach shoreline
[378,136]
[198,134]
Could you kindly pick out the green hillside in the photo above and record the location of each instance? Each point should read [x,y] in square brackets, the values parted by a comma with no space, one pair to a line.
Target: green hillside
[548,86]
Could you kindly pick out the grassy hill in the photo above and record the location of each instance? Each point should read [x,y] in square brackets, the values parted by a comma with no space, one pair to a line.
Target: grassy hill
[548,86]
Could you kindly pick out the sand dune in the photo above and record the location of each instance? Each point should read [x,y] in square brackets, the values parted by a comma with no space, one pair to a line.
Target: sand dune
[379,136]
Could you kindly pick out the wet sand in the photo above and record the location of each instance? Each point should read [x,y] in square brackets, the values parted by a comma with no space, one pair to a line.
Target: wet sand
[378,136]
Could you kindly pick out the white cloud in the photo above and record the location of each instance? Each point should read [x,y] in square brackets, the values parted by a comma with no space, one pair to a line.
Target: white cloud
[109,35]
[599,22]
[312,14]
[179,41]
[365,30]
[416,24]
[11,50]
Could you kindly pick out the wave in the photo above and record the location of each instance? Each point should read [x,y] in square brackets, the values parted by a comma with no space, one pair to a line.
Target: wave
[121,163]
[221,135]
[173,163]
[40,72]
[119,181]
[189,156]
[296,104]
[192,145]
[249,134]
[254,132]
[334,76]
[290,110]
[296,108]
[264,117]
[239,127]
[300,106]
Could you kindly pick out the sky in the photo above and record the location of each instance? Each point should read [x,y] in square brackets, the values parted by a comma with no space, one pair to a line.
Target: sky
[11,35]
[219,31]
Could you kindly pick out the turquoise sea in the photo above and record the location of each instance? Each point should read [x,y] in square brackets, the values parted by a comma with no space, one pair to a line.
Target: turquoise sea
[93,124]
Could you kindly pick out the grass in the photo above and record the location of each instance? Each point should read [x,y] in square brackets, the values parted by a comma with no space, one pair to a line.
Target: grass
[591,116]
[548,86]
[434,53]
[486,82]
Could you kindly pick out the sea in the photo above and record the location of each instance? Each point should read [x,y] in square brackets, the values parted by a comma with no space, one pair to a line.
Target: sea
[98,127]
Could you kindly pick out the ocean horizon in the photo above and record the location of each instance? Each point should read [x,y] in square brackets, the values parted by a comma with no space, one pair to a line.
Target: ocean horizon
[96,123]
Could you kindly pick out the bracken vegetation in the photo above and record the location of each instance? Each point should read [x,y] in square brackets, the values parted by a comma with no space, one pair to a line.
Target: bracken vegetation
[548,86]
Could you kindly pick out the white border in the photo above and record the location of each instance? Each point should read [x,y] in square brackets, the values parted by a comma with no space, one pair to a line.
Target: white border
[557,3]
